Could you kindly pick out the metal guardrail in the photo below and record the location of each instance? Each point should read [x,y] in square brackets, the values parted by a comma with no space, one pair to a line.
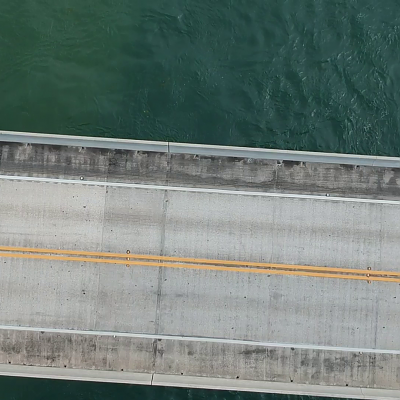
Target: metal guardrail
[199,149]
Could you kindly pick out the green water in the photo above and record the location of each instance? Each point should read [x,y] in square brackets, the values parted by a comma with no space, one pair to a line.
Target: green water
[299,74]
[295,74]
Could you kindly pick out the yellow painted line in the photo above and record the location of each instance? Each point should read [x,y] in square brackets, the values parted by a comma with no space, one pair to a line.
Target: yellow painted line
[72,252]
[200,267]
[200,261]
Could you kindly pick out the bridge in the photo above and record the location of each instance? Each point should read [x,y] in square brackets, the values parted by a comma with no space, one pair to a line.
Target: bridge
[187,265]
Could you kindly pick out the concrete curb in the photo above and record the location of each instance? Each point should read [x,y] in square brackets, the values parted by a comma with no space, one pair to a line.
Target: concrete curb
[199,149]
[83,141]
[154,379]
[273,387]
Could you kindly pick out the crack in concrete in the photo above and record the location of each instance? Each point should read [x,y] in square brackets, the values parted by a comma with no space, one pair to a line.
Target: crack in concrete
[161,271]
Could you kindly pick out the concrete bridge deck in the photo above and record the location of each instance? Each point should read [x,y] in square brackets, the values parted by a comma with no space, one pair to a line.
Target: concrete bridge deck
[199,326]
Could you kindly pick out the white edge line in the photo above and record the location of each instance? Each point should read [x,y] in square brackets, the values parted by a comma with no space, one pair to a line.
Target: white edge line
[196,190]
[199,339]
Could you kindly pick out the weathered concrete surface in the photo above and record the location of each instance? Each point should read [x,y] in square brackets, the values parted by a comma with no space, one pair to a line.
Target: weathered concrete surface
[199,171]
[76,351]
[200,305]
[186,358]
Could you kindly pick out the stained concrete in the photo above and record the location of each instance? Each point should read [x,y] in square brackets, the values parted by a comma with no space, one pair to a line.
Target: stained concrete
[59,295]
[164,168]
[186,358]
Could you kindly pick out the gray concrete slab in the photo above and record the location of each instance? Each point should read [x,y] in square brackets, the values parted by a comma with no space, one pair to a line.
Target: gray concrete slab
[298,366]
[55,294]
[282,230]
[279,309]
[51,215]
[48,293]
[233,305]
[126,299]
[76,351]
[133,220]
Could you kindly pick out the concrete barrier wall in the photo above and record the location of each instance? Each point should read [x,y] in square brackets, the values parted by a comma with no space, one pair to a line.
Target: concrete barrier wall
[163,168]
[201,359]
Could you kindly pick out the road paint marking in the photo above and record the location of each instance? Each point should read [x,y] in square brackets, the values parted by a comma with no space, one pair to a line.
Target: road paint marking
[199,339]
[196,190]
[128,255]
[193,263]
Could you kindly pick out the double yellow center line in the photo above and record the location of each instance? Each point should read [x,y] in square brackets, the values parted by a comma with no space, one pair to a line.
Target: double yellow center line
[199,263]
